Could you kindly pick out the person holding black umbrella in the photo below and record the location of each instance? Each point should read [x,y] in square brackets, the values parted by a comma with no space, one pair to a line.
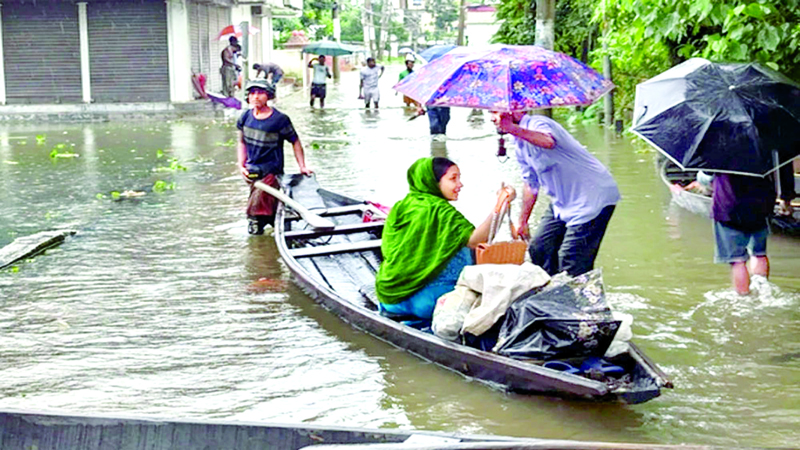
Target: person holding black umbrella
[740,209]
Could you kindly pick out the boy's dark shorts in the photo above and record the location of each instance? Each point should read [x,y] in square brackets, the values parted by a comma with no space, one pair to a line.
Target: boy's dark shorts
[318,90]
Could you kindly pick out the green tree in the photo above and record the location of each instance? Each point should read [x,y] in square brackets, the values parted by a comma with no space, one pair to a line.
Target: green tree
[445,14]
[647,37]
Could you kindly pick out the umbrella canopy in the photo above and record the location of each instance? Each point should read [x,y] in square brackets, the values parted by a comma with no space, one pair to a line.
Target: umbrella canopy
[504,78]
[235,30]
[435,52]
[328,48]
[720,117]
[405,50]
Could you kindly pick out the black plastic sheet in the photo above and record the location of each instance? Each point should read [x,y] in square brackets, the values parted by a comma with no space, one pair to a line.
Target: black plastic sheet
[568,318]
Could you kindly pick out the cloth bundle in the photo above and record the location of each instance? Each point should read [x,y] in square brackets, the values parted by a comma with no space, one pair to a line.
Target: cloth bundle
[482,296]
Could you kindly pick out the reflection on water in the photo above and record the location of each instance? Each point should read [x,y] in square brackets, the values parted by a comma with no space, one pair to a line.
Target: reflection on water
[163,305]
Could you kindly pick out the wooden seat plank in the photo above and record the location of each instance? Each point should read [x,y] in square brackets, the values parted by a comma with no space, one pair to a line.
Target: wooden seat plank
[332,249]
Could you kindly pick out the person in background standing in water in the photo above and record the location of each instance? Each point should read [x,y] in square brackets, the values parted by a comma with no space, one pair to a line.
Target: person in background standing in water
[262,132]
[321,73]
[583,194]
[368,89]
[409,70]
[272,72]
[229,67]
[740,209]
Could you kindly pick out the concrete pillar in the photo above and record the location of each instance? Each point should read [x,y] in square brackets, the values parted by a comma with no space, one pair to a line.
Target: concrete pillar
[86,73]
[267,35]
[179,51]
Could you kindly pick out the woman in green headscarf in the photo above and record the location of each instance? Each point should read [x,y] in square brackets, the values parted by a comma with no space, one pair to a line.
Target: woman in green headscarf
[426,241]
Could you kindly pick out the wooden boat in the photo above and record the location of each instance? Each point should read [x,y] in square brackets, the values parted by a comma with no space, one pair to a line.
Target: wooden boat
[337,268]
[700,203]
[26,430]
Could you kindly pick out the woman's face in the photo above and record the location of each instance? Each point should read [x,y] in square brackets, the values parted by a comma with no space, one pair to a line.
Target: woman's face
[450,184]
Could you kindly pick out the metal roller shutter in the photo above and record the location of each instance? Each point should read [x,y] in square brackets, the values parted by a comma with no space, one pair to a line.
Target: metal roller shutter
[41,48]
[194,39]
[218,18]
[128,50]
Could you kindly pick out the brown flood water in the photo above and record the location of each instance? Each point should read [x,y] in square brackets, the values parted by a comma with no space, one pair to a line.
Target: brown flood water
[150,309]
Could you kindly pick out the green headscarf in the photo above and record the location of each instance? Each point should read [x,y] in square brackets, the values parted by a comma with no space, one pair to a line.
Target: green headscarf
[421,234]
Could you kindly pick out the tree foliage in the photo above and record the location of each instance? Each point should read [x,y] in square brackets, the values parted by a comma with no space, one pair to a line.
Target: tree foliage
[445,14]
[646,37]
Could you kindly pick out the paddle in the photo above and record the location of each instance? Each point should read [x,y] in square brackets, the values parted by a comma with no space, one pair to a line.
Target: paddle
[316,222]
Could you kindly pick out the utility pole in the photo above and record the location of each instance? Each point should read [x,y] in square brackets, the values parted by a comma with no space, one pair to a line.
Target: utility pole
[337,36]
[366,20]
[386,14]
[245,42]
[462,18]
[545,30]
[608,105]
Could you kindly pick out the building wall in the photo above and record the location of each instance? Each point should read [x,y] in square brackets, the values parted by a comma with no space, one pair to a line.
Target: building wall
[480,25]
[108,51]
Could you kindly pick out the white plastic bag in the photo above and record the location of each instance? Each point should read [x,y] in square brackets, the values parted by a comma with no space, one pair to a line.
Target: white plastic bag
[624,334]
[450,311]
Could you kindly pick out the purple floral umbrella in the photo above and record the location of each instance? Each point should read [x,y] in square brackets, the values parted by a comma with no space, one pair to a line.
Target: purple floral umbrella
[504,78]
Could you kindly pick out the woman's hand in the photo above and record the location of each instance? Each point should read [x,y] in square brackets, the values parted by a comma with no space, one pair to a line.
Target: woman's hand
[512,193]
[306,171]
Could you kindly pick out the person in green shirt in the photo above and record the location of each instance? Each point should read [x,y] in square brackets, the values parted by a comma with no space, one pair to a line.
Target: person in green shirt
[409,69]
[426,241]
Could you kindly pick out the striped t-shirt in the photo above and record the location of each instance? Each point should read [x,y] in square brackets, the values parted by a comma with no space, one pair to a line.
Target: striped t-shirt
[263,139]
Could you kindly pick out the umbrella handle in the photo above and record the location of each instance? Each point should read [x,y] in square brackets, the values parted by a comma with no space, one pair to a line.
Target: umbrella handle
[501,149]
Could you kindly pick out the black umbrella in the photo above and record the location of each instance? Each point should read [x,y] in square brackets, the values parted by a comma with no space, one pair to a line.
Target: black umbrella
[720,117]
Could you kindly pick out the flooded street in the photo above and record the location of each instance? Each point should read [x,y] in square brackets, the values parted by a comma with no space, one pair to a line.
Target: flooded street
[155,308]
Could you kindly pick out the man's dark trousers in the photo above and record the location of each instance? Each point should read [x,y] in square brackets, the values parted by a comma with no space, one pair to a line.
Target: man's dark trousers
[557,247]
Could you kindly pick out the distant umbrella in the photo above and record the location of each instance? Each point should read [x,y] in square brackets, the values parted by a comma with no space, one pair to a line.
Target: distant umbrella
[405,50]
[328,48]
[436,51]
[720,117]
[235,30]
[504,78]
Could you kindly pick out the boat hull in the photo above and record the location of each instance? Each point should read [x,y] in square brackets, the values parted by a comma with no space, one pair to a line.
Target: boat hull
[337,282]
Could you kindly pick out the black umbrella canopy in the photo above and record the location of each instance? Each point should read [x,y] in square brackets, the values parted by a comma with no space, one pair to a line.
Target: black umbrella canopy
[721,117]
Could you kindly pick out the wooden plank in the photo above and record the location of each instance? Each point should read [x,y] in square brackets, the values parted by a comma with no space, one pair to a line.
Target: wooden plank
[374,244]
[338,229]
[27,246]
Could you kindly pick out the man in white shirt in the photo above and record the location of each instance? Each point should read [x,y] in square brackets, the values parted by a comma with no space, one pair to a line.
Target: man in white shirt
[368,89]
[320,75]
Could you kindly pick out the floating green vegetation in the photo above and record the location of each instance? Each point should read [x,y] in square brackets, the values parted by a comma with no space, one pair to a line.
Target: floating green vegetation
[161,186]
[14,269]
[40,138]
[174,166]
[229,143]
[100,196]
[49,215]
[159,153]
[115,195]
[60,151]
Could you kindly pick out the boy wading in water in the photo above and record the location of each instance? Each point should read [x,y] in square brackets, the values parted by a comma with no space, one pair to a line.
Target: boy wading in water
[262,132]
